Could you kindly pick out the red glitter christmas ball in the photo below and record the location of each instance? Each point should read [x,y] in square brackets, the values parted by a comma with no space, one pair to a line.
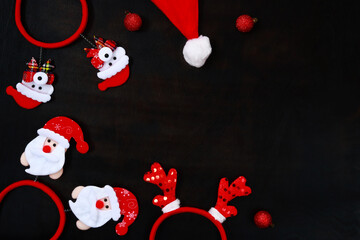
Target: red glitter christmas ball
[263,219]
[132,22]
[245,23]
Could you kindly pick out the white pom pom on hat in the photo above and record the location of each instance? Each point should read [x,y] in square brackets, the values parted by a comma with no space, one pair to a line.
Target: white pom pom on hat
[197,50]
[184,14]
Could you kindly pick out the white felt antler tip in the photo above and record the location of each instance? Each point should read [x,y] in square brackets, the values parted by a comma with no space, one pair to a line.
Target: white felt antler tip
[217,215]
[171,206]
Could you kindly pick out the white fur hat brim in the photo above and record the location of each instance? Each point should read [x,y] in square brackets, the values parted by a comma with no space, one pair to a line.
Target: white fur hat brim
[54,136]
[40,97]
[115,208]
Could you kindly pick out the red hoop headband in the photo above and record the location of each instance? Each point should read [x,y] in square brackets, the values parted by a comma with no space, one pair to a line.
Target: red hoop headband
[171,206]
[56,44]
[46,190]
[197,211]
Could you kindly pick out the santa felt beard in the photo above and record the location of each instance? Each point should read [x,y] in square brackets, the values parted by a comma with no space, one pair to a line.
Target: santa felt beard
[42,163]
[85,209]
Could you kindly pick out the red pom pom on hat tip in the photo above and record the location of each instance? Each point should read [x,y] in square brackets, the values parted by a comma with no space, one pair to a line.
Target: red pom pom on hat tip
[121,230]
[82,147]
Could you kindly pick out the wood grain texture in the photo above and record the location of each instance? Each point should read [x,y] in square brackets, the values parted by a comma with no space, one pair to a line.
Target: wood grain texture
[279,105]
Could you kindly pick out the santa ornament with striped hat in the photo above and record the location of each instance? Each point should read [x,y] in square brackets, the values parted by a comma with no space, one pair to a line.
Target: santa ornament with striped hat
[184,14]
[95,206]
[111,61]
[45,154]
[36,85]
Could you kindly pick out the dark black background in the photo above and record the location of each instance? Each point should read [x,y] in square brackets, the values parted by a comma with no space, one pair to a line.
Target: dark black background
[279,105]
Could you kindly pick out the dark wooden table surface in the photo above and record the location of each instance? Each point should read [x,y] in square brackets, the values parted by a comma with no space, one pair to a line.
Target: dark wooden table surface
[279,105]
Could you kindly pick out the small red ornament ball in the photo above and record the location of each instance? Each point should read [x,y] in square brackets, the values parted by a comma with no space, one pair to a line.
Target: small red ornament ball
[132,22]
[263,219]
[245,23]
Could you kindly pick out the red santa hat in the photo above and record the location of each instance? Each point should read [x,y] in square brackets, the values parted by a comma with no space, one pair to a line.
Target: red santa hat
[184,15]
[61,130]
[129,209]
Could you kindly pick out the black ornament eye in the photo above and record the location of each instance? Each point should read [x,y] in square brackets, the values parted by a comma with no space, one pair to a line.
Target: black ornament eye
[54,144]
[105,200]
[40,88]
[39,78]
[105,54]
[107,206]
[110,64]
[114,58]
[32,86]
[49,140]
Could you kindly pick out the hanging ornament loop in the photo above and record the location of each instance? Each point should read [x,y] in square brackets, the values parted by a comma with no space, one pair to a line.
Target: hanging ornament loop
[46,190]
[63,43]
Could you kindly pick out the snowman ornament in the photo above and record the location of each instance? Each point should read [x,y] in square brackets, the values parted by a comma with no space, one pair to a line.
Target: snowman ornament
[36,85]
[111,61]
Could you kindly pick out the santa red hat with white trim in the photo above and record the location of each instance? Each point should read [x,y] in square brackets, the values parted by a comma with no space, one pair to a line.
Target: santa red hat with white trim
[184,14]
[61,130]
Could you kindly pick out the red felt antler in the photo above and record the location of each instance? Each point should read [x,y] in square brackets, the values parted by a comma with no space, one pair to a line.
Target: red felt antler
[227,193]
[166,183]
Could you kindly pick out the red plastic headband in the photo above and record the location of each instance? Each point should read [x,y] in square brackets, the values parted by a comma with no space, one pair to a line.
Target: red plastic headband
[197,211]
[56,44]
[46,190]
[170,205]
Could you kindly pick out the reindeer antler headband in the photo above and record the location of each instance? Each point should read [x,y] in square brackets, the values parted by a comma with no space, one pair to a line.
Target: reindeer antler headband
[170,205]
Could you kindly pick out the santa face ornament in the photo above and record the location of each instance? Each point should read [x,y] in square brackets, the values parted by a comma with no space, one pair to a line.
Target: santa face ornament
[95,206]
[35,87]
[45,154]
[111,61]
